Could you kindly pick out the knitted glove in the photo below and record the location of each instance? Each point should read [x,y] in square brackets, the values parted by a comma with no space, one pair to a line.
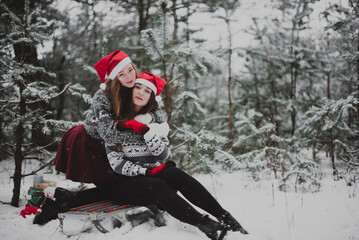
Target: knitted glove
[158,129]
[155,171]
[144,118]
[134,125]
[28,210]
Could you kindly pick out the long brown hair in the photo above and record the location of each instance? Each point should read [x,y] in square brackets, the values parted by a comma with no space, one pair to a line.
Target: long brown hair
[119,96]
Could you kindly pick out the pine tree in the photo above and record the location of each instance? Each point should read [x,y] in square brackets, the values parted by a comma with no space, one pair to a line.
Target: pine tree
[25,89]
[195,147]
[277,86]
[332,124]
[229,7]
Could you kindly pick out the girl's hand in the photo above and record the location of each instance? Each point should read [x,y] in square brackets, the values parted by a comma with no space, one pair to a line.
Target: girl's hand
[155,171]
[158,129]
[134,125]
[144,118]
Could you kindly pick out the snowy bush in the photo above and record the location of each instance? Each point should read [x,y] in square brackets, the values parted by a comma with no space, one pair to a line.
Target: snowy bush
[325,128]
[264,153]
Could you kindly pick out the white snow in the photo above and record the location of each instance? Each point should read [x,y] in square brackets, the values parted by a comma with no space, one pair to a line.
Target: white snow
[263,210]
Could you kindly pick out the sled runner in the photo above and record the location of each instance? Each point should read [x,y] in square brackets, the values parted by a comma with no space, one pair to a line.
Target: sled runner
[97,212]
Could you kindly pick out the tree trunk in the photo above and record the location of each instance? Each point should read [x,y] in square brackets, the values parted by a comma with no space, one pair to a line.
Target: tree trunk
[61,85]
[328,86]
[186,74]
[229,86]
[293,97]
[168,87]
[331,143]
[24,53]
[19,157]
[357,120]
[143,14]
[275,114]
[293,77]
[143,18]
[331,154]
[175,23]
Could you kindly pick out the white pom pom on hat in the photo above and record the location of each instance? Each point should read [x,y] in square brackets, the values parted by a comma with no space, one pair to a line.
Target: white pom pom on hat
[158,98]
[103,86]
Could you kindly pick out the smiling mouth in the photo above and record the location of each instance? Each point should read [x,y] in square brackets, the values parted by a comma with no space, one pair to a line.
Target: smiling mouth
[139,98]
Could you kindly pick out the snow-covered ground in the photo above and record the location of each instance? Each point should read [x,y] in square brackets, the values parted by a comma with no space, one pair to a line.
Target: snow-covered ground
[263,210]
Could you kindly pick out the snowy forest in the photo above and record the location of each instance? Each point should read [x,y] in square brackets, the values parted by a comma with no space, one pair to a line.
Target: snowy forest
[284,105]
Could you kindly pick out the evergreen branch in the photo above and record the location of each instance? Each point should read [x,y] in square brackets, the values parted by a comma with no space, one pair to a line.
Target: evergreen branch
[354,8]
[37,170]
[154,46]
[86,2]
[4,102]
[41,148]
[33,158]
[5,202]
[350,162]
[173,80]
[11,14]
[53,97]
[173,65]
[181,144]
[7,152]
[216,117]
[1,61]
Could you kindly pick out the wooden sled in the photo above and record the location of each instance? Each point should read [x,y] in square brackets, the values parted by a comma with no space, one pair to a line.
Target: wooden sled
[120,214]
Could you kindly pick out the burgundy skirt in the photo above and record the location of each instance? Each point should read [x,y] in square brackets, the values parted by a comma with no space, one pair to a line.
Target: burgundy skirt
[82,158]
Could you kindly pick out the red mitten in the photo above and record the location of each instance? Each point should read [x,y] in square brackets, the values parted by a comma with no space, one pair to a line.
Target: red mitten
[134,125]
[28,210]
[155,171]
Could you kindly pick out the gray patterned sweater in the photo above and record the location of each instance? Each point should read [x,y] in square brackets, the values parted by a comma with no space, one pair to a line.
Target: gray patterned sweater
[136,153]
[99,120]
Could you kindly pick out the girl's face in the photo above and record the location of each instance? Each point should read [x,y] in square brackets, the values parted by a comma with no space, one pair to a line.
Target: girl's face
[127,76]
[141,95]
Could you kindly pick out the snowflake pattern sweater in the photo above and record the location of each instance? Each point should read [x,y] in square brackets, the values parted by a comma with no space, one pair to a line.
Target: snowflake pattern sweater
[137,154]
[99,120]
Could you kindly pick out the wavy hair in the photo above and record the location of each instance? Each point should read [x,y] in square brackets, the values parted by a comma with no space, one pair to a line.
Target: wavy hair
[120,97]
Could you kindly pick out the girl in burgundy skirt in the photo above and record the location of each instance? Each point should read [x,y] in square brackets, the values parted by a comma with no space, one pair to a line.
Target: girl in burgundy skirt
[81,154]
[133,173]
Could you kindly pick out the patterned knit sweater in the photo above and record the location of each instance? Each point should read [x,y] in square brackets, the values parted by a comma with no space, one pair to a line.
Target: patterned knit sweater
[99,120]
[136,153]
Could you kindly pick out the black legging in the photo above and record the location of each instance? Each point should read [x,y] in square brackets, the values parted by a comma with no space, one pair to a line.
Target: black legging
[103,191]
[162,191]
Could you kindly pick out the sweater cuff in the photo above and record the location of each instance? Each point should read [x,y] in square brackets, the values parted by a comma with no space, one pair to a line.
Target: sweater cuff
[142,171]
[149,135]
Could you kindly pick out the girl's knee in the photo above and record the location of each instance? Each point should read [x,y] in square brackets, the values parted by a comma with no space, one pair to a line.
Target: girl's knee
[157,185]
[173,173]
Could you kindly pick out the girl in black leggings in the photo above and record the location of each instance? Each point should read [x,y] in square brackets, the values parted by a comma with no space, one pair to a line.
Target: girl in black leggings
[141,180]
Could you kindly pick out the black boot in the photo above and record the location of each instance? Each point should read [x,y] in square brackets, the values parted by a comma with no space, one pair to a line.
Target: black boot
[51,208]
[229,220]
[63,199]
[213,229]
[48,212]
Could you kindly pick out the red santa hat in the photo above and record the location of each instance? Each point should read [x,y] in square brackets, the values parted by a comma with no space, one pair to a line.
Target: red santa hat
[111,65]
[155,83]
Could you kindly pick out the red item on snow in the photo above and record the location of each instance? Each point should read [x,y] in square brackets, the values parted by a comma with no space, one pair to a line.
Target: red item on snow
[155,171]
[28,210]
[134,125]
